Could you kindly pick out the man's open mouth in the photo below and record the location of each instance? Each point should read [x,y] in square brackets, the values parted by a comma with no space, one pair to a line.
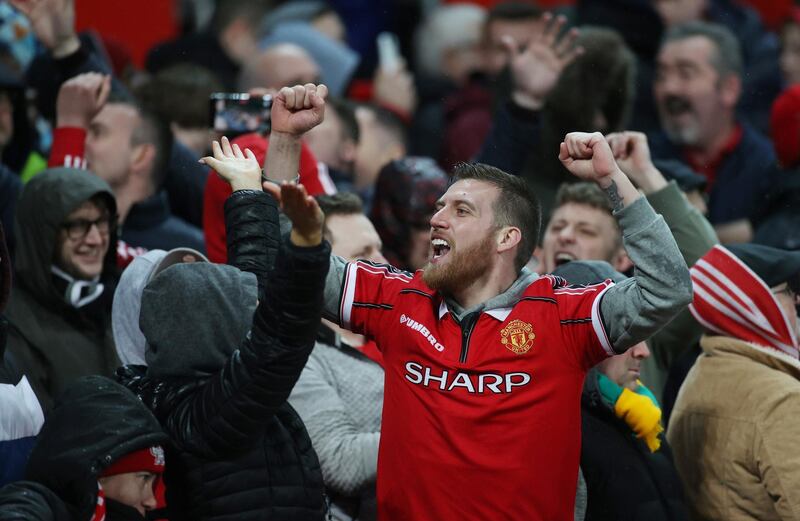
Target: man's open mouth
[440,248]
[677,106]
[563,257]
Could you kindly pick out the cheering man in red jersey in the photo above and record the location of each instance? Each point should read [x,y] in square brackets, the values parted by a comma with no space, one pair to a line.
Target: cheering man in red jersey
[485,360]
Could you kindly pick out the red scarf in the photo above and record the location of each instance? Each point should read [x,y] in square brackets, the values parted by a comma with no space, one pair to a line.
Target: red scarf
[730,299]
[100,507]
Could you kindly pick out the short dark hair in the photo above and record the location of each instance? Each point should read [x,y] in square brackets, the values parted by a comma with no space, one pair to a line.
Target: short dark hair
[180,94]
[153,130]
[514,11]
[340,203]
[517,204]
[587,194]
[728,56]
[227,11]
[389,122]
[346,112]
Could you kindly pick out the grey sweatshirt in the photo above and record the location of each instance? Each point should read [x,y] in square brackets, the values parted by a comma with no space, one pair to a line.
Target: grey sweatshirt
[632,310]
[339,396]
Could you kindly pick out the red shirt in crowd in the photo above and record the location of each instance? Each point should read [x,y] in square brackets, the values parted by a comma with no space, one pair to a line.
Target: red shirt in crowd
[315,180]
[709,168]
[483,422]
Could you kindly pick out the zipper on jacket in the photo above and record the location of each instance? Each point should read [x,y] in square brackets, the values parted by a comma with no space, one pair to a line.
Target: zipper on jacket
[467,325]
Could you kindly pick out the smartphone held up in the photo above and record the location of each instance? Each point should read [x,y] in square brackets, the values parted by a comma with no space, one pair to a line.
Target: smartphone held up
[237,113]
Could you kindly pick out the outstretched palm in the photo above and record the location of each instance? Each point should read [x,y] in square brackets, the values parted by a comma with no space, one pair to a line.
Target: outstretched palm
[537,67]
[302,209]
[240,170]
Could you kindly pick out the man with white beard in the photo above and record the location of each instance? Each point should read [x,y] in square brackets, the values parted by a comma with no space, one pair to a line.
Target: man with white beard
[697,87]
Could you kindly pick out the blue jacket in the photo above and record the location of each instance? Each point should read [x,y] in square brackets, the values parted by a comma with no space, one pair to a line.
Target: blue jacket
[744,178]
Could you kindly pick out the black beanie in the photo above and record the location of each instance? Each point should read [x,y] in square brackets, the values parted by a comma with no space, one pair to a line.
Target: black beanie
[774,266]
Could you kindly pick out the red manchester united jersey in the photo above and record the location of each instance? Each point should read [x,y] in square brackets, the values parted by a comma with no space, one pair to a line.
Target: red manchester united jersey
[481,419]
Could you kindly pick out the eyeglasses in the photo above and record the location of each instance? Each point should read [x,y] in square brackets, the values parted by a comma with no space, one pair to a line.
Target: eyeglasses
[786,291]
[79,228]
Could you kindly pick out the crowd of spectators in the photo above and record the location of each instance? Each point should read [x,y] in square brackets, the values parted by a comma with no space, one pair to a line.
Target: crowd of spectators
[217,323]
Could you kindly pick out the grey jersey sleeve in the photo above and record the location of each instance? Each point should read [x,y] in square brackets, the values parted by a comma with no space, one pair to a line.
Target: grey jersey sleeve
[660,288]
[332,297]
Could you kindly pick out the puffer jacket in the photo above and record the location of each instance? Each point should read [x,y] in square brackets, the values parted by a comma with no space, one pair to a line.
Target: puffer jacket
[240,450]
[734,433]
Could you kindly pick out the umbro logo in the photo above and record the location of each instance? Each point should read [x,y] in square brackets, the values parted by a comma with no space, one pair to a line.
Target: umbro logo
[422,330]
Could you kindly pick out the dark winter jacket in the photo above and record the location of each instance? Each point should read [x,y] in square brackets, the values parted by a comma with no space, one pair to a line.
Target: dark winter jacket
[21,416]
[93,423]
[10,187]
[241,451]
[52,342]
[743,181]
[150,225]
[624,480]
[30,501]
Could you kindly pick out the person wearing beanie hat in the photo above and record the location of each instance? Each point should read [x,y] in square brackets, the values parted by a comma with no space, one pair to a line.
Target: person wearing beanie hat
[404,201]
[779,223]
[133,479]
[735,422]
[96,457]
[625,460]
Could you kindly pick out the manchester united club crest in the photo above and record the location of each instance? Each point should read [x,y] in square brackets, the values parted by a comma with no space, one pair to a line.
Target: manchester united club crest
[517,336]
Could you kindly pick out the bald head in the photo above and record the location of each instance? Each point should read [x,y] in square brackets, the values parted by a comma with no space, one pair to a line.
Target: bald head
[277,66]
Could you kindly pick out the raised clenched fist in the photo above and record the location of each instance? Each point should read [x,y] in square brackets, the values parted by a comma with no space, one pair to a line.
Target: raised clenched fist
[298,109]
[589,157]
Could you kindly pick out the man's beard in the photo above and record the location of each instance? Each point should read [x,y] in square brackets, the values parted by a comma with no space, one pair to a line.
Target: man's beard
[684,134]
[462,270]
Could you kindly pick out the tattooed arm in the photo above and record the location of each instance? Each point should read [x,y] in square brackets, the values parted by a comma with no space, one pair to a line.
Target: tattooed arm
[660,288]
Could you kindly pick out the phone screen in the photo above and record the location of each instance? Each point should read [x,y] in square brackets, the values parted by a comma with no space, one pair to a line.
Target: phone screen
[238,113]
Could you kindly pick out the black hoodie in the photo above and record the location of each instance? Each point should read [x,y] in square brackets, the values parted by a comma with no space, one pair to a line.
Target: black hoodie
[94,422]
[52,342]
[241,451]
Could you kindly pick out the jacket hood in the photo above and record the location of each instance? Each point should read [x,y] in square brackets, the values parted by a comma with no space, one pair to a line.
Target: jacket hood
[194,316]
[731,300]
[507,299]
[128,338]
[591,396]
[94,422]
[44,204]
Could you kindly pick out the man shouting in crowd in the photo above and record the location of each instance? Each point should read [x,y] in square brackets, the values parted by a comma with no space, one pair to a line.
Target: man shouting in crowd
[485,360]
